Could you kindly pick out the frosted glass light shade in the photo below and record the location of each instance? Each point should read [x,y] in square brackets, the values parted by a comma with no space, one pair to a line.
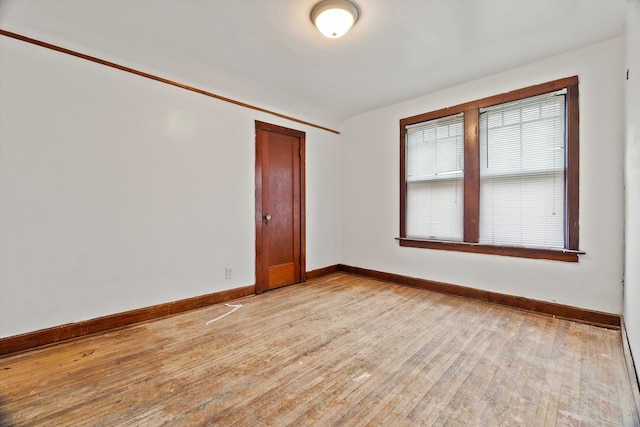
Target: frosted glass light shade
[334,18]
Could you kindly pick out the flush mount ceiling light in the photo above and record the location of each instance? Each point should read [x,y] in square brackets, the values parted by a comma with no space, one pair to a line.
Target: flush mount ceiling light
[334,18]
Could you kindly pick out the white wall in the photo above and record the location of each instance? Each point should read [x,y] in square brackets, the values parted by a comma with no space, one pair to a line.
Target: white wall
[370,189]
[118,192]
[632,181]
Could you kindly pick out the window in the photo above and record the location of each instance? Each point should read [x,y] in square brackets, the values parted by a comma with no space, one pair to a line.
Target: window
[434,178]
[498,175]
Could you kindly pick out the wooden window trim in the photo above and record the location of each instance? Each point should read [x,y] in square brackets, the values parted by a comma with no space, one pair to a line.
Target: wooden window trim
[472,175]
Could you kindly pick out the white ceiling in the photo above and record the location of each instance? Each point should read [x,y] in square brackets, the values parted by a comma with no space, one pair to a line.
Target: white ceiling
[268,53]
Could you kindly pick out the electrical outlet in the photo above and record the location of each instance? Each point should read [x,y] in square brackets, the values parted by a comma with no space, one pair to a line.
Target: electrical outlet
[228,273]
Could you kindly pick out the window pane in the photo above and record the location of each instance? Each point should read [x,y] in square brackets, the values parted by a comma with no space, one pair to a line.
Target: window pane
[522,179]
[435,188]
[435,209]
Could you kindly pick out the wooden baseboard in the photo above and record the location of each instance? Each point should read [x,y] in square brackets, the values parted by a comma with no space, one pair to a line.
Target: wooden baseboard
[56,334]
[632,372]
[322,271]
[60,333]
[592,317]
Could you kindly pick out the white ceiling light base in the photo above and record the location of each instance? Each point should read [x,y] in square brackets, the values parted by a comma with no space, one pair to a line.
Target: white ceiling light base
[334,18]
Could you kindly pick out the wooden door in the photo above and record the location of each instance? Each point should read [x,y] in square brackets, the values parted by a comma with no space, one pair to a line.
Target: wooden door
[280,243]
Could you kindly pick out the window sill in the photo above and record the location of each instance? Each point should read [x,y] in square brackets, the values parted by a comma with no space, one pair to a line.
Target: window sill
[565,255]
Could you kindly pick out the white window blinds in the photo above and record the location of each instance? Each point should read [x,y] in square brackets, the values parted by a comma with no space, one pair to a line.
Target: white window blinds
[434,176]
[522,172]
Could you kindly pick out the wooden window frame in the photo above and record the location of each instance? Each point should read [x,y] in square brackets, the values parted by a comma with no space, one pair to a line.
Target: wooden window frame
[471,111]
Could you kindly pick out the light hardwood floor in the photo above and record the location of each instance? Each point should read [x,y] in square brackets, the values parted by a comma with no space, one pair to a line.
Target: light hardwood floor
[338,350]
